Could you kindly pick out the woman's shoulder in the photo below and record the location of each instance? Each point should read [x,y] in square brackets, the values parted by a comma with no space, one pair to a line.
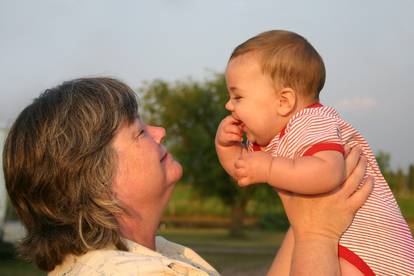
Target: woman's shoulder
[169,259]
[184,254]
[109,262]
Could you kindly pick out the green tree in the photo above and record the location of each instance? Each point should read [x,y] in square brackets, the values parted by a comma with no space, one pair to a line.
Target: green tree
[400,182]
[383,160]
[191,111]
[410,179]
[384,163]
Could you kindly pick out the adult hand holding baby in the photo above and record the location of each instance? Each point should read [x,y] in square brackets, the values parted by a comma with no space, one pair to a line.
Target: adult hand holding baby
[304,217]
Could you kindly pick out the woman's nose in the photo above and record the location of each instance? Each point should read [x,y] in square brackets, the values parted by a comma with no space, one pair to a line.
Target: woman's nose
[229,106]
[157,133]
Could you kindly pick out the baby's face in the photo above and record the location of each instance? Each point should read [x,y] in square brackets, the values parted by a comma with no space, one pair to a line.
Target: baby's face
[253,99]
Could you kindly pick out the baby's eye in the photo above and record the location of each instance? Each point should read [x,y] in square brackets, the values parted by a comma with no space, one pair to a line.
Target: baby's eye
[236,98]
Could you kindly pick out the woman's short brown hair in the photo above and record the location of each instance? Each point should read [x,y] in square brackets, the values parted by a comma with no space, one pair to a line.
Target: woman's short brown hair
[59,165]
[288,59]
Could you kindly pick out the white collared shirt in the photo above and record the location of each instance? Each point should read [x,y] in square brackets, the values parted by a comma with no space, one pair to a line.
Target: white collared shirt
[168,259]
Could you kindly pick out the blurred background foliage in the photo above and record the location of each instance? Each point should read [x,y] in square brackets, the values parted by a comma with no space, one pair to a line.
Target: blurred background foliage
[190,111]
[235,229]
[207,196]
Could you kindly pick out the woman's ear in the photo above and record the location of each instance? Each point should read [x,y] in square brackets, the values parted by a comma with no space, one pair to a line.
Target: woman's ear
[287,101]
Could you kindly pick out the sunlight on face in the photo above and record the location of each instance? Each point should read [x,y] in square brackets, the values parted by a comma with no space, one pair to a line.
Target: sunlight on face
[253,99]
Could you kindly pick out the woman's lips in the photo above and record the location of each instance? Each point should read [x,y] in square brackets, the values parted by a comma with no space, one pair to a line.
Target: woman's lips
[164,157]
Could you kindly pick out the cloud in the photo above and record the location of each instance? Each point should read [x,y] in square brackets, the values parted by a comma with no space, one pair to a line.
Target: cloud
[357,103]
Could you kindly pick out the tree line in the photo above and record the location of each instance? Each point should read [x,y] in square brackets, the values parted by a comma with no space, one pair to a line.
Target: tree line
[401,183]
[190,111]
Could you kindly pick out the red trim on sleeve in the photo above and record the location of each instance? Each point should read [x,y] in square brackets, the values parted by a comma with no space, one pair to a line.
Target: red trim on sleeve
[324,146]
[355,260]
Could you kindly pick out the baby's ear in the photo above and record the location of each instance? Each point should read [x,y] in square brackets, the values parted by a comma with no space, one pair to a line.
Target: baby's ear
[287,101]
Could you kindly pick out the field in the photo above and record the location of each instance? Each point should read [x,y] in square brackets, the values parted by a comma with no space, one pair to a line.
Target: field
[250,255]
[11,266]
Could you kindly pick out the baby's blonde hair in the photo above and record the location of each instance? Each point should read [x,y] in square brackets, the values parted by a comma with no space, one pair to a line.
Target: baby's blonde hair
[288,59]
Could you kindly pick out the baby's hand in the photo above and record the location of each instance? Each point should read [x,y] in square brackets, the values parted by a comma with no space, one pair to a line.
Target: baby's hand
[229,132]
[253,167]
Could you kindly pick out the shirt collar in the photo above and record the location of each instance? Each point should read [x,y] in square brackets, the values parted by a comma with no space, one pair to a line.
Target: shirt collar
[140,249]
[314,105]
[281,133]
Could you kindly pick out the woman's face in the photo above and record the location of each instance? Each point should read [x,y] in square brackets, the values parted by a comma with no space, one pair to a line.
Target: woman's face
[145,172]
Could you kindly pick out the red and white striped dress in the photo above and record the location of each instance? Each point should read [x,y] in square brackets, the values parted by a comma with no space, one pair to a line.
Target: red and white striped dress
[379,240]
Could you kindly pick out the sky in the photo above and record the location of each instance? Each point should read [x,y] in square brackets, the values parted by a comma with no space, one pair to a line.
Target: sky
[366,45]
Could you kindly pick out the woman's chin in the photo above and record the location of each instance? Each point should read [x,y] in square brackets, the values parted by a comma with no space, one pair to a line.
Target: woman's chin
[175,172]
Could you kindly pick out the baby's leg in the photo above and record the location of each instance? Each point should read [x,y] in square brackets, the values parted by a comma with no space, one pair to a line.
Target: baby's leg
[281,264]
[348,269]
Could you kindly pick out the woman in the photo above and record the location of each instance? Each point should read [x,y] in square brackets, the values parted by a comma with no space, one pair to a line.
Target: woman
[90,182]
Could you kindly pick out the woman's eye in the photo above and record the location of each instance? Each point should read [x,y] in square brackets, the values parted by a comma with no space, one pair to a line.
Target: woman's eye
[140,133]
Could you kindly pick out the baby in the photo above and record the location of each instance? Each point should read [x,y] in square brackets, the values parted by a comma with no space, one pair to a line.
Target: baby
[274,80]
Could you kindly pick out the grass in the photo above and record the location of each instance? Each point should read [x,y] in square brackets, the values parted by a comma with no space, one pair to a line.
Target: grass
[250,255]
[239,263]
[407,206]
[185,205]
[14,267]
[10,265]
[186,202]
[407,209]
[263,240]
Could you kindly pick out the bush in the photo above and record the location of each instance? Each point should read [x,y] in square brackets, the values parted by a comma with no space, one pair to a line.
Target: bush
[274,221]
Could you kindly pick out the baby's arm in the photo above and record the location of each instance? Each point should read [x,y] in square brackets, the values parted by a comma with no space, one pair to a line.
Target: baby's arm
[228,142]
[321,172]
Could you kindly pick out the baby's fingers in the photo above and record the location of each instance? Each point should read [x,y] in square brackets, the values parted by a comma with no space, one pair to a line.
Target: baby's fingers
[231,120]
[244,181]
[240,163]
[240,173]
[234,129]
[233,137]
